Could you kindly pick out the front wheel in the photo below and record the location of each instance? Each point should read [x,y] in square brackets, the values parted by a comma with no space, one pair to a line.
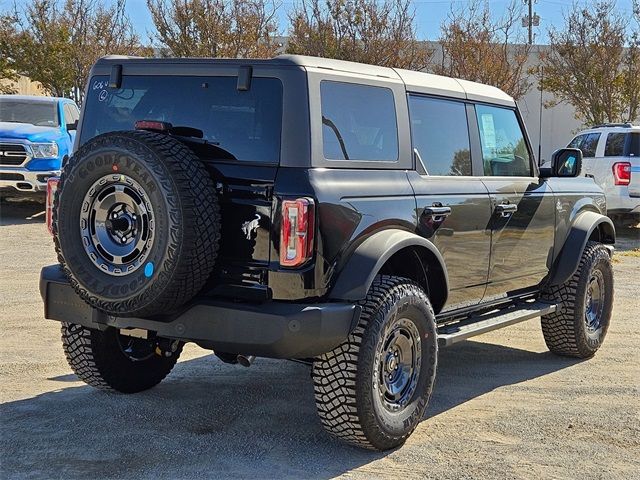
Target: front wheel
[579,325]
[111,361]
[373,390]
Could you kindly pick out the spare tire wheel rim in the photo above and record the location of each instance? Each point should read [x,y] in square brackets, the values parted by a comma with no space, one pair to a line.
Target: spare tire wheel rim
[117,225]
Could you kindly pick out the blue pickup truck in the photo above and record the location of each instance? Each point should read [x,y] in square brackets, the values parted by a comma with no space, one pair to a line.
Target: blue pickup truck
[36,138]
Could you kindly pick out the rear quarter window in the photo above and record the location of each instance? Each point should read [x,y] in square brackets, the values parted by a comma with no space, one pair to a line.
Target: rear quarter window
[358,122]
[634,145]
[614,146]
[246,124]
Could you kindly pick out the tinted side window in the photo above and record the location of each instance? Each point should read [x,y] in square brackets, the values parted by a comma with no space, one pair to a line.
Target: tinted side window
[504,149]
[441,135]
[589,145]
[358,122]
[70,113]
[576,142]
[614,147]
[75,113]
[67,113]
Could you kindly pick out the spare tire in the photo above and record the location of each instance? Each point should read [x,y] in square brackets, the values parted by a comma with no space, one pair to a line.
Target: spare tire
[136,223]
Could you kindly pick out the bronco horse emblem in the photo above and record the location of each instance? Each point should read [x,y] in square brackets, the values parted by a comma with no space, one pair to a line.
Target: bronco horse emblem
[251,226]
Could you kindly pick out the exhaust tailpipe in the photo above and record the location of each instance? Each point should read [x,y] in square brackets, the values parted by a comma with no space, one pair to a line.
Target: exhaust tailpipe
[245,360]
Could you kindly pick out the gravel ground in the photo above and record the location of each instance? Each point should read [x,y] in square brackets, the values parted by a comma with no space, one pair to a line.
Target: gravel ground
[504,407]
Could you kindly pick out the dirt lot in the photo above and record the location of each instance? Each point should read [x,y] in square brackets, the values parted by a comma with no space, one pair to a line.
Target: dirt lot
[504,407]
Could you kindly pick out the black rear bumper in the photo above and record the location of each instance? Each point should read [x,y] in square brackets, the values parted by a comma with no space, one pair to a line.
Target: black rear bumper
[273,329]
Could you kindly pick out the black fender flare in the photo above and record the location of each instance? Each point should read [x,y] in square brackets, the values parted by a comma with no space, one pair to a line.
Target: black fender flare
[358,273]
[581,230]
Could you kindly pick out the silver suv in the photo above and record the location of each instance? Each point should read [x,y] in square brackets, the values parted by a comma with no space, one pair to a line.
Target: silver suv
[610,153]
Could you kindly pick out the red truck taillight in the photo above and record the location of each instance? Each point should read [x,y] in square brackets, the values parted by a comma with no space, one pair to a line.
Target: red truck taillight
[621,173]
[296,232]
[52,187]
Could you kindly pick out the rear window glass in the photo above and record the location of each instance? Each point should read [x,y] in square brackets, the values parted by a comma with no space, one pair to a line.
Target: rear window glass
[614,147]
[358,122]
[246,124]
[39,113]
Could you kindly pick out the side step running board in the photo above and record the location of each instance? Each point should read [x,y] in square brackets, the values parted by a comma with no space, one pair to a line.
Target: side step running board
[476,325]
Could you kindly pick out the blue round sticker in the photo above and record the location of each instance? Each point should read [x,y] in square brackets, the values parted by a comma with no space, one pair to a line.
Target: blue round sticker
[148,269]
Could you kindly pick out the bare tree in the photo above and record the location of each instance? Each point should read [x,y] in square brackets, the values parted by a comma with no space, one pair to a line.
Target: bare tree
[479,47]
[56,44]
[215,28]
[632,66]
[95,31]
[8,73]
[594,63]
[369,31]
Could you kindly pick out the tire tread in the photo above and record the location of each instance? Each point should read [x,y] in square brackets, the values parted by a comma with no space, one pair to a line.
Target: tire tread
[561,329]
[198,203]
[98,370]
[335,373]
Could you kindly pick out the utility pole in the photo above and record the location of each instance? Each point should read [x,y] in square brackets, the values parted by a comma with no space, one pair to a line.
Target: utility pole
[531,20]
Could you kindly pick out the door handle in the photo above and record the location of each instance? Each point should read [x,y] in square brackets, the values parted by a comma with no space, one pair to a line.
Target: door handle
[506,209]
[434,211]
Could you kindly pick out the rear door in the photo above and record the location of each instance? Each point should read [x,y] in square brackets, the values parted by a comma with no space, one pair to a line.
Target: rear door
[453,206]
[239,141]
[523,206]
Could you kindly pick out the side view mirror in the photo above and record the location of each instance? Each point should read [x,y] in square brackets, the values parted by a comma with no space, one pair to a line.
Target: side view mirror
[72,126]
[565,162]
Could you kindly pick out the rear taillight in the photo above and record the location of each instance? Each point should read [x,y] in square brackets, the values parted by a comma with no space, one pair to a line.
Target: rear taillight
[296,232]
[621,173]
[52,187]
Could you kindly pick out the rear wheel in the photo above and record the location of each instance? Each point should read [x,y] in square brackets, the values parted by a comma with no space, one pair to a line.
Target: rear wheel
[111,361]
[579,325]
[372,391]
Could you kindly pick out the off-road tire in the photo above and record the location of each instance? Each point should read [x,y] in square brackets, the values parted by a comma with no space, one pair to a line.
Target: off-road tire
[565,331]
[344,390]
[186,222]
[97,359]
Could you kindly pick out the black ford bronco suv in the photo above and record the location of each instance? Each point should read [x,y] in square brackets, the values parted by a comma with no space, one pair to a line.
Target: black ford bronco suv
[354,217]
